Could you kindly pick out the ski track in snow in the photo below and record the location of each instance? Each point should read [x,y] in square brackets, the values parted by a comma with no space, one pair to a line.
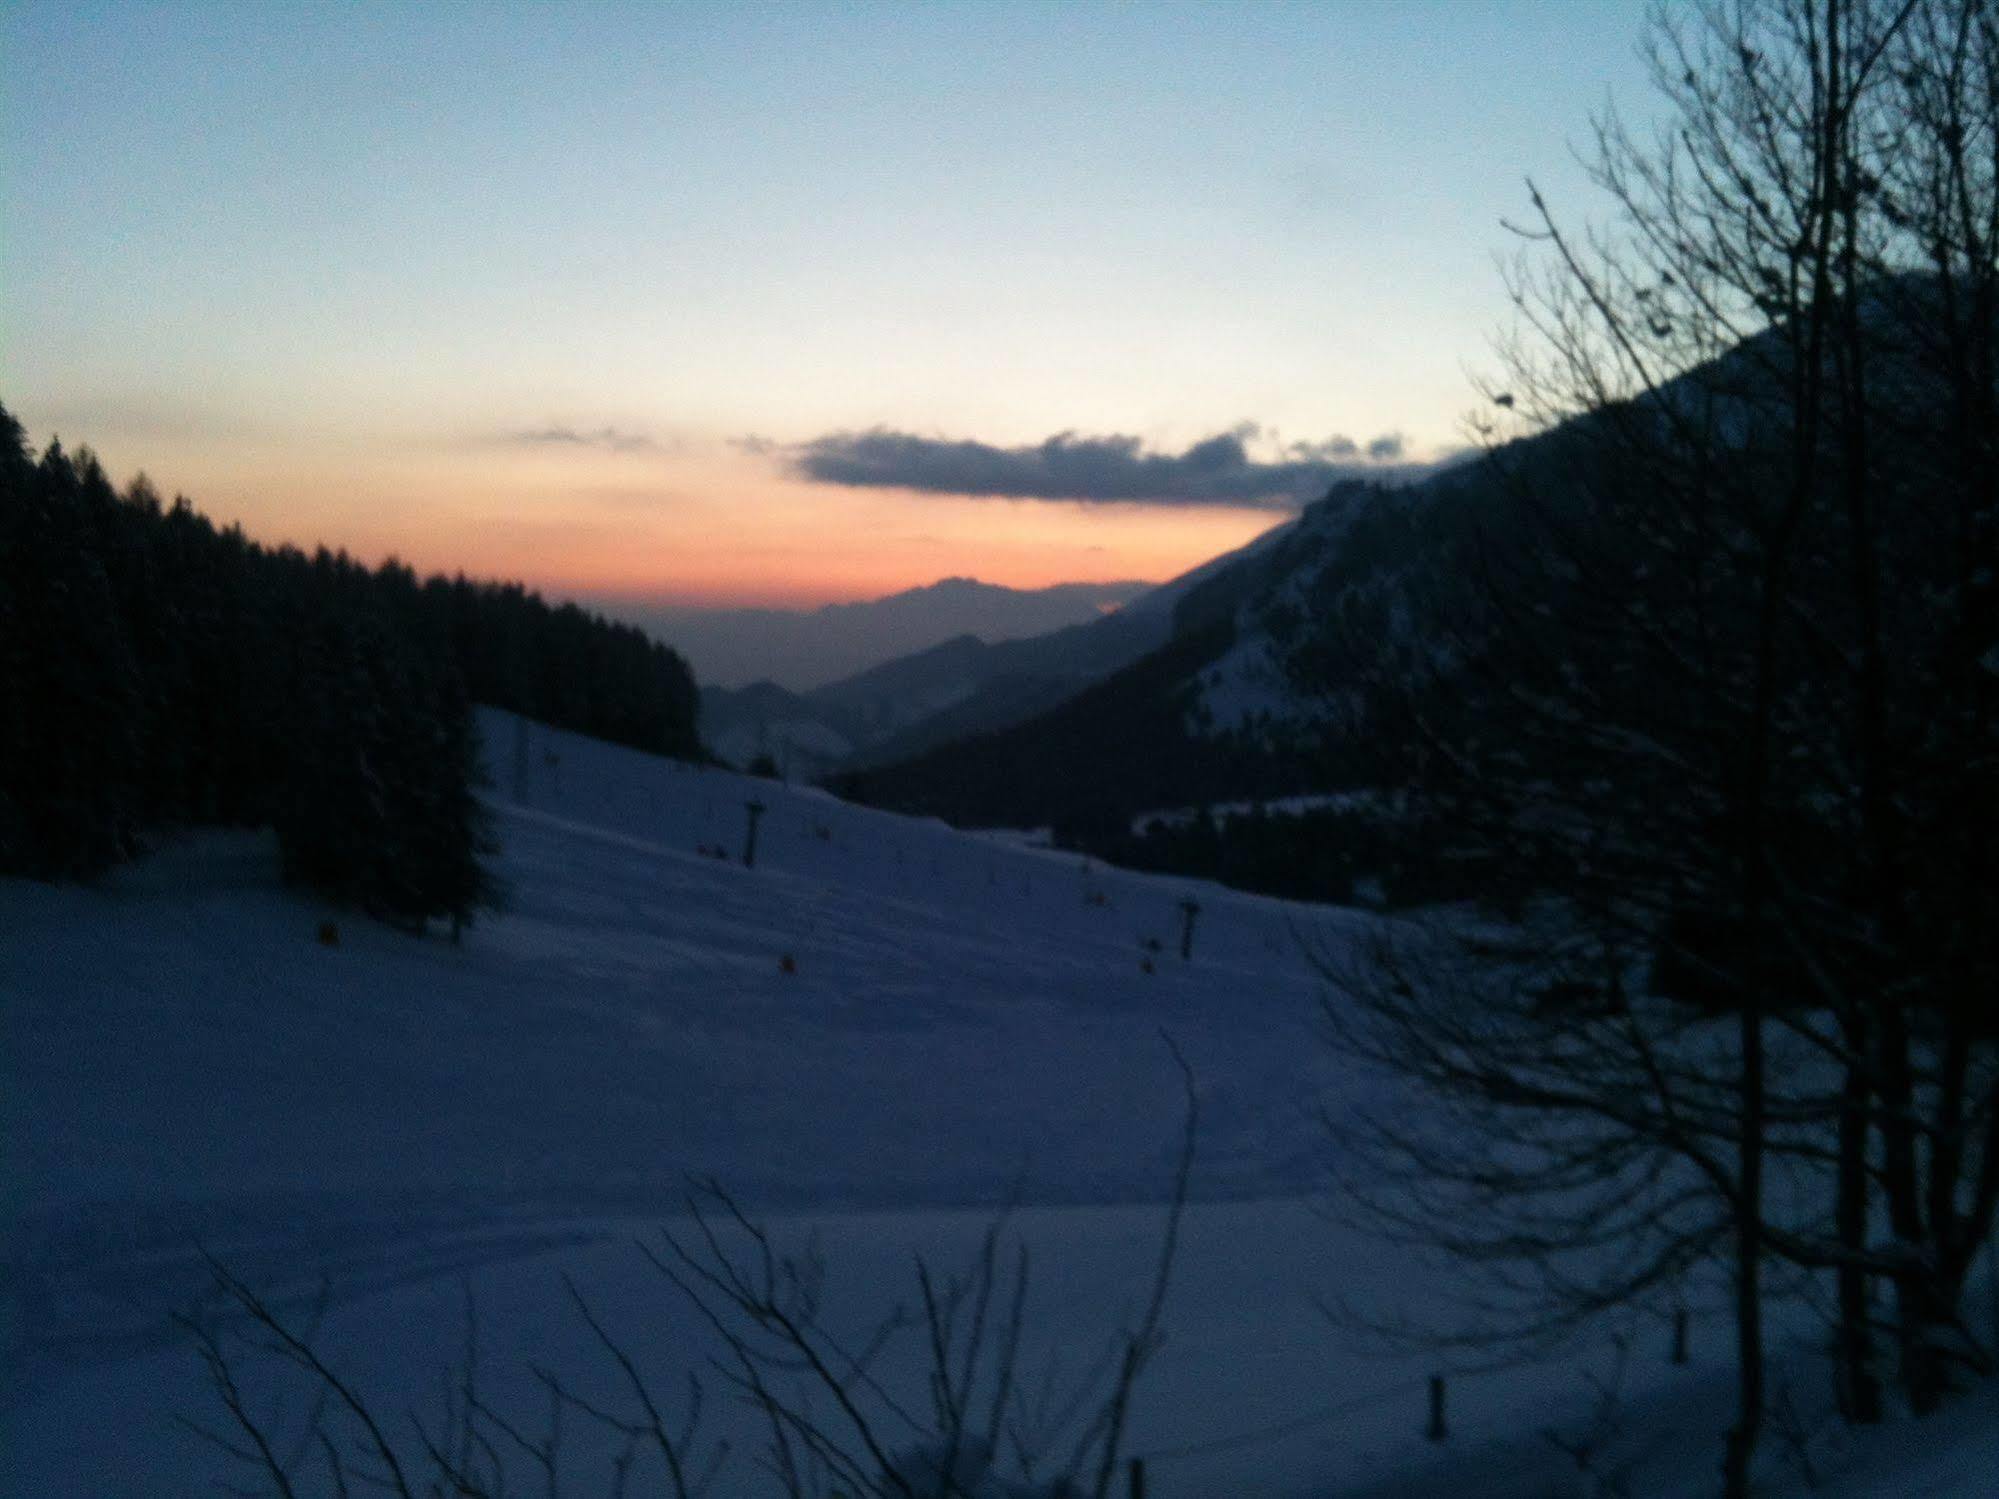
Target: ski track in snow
[184,1063]
[184,1071]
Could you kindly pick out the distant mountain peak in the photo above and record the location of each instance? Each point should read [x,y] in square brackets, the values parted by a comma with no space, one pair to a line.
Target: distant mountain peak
[960,586]
[801,649]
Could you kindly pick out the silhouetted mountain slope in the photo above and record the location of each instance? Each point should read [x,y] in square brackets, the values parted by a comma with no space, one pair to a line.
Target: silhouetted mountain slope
[1121,744]
[1179,724]
[999,703]
[992,685]
[1272,680]
[803,650]
[961,687]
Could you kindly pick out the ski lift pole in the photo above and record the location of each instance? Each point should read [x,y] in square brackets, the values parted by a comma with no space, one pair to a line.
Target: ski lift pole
[1189,909]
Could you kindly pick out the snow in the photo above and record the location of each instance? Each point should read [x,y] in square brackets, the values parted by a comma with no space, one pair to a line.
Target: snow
[783,739]
[183,1066]
[1247,685]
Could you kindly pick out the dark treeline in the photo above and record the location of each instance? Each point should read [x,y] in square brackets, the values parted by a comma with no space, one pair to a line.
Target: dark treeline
[1362,851]
[156,671]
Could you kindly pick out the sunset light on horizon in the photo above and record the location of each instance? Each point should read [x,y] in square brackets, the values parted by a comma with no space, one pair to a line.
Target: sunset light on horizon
[714,306]
[711,526]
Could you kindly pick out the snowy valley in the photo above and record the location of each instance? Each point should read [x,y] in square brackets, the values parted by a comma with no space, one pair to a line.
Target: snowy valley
[878,1035]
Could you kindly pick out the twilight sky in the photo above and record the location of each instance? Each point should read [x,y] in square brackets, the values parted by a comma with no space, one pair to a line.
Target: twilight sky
[772,303]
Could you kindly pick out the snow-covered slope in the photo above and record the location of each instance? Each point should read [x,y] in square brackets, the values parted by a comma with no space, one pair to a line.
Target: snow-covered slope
[184,1066]
[627,1018]
[184,1061]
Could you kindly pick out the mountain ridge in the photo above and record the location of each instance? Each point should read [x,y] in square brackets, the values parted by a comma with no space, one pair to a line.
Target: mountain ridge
[805,649]
[960,687]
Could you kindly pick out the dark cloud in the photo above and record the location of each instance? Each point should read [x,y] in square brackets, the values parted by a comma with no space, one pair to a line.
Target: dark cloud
[610,439]
[1332,450]
[1218,470]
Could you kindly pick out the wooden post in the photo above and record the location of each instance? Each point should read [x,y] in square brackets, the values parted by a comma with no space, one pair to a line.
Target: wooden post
[1680,1335]
[1189,909]
[1138,1478]
[1437,1430]
[755,809]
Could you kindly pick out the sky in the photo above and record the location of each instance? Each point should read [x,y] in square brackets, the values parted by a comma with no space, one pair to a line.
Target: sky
[774,304]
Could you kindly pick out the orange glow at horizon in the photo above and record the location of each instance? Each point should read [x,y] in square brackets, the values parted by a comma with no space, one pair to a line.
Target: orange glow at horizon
[712,527]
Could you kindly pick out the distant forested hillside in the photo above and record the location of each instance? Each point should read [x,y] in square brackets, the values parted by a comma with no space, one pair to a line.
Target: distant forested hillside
[157,671]
[1093,761]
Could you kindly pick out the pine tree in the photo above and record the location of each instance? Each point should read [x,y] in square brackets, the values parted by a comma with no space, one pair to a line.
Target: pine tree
[71,759]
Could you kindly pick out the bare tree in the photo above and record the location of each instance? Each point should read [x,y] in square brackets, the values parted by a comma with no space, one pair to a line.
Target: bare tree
[1707,676]
[838,1423]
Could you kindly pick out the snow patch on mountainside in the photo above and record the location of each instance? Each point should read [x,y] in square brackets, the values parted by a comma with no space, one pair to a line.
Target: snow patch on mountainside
[1258,687]
[1247,687]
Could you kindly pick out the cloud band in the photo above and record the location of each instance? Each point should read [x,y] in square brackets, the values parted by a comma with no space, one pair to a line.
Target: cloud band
[1115,469]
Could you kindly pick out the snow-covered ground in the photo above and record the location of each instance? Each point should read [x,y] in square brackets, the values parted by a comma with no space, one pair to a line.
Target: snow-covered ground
[877,1034]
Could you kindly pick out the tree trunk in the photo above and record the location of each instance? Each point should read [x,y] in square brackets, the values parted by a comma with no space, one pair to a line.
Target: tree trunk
[1859,1386]
[1742,1440]
[1901,1180]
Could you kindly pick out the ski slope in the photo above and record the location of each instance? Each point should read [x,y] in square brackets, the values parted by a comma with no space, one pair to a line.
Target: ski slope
[961,1014]
[878,1033]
